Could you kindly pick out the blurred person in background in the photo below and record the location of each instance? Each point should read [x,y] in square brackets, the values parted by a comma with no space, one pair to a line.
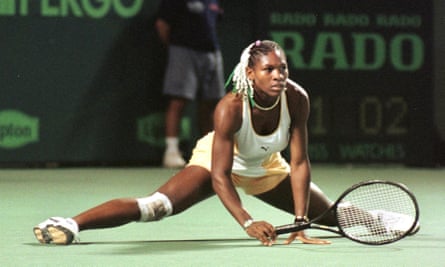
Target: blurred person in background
[194,66]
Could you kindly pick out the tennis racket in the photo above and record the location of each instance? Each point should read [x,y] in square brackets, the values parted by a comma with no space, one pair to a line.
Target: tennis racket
[372,212]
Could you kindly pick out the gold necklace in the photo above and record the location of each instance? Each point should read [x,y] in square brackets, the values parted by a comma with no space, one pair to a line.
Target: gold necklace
[255,104]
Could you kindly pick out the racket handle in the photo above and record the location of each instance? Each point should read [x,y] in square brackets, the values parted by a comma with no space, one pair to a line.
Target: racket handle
[289,228]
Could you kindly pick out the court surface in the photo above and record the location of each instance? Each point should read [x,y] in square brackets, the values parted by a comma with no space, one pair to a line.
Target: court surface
[205,235]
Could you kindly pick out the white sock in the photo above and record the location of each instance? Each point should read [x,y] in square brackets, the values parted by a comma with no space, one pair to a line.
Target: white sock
[172,143]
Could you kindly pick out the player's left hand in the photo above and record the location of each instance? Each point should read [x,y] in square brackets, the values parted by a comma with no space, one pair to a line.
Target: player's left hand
[263,231]
[305,239]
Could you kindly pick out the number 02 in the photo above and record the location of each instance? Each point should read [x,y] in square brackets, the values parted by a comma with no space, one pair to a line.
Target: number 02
[372,112]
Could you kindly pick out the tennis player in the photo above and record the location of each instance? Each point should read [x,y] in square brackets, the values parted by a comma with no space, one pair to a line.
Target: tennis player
[264,114]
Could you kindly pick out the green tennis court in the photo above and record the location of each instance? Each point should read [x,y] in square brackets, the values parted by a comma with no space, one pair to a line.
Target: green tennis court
[205,235]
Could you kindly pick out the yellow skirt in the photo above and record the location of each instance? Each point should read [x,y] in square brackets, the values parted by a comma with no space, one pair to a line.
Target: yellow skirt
[276,168]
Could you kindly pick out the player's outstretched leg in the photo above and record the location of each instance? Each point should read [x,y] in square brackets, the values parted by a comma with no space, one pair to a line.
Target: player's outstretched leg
[116,212]
[186,188]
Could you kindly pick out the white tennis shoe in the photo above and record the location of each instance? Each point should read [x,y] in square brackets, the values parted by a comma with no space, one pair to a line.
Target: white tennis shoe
[57,230]
[173,159]
[396,222]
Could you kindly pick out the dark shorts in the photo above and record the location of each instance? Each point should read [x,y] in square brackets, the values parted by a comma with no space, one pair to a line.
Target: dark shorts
[192,73]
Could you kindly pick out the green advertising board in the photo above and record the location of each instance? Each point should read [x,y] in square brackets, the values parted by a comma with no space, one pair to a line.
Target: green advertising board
[81,80]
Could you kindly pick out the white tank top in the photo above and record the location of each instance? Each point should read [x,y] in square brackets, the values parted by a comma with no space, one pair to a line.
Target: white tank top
[253,151]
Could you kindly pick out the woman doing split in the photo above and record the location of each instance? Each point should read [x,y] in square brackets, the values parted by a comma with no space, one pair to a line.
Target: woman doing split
[263,115]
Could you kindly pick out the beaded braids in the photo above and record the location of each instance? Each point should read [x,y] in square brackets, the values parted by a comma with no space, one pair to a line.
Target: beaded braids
[241,84]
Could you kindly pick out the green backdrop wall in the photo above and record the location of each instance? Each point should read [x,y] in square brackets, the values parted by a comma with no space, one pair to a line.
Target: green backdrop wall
[80,81]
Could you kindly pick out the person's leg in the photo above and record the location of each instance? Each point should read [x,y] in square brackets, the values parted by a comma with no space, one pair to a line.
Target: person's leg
[281,197]
[192,185]
[112,213]
[188,187]
[210,70]
[318,204]
[183,190]
[172,155]
[180,86]
[173,116]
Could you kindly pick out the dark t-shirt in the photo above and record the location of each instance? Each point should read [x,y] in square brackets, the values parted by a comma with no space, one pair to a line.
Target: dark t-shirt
[192,22]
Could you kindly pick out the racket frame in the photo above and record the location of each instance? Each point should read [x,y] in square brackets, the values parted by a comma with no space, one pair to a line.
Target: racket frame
[312,224]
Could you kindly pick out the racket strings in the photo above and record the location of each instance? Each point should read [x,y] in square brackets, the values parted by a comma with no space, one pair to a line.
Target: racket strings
[376,213]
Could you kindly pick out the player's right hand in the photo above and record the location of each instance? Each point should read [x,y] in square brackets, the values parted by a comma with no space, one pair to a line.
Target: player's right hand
[263,231]
[305,239]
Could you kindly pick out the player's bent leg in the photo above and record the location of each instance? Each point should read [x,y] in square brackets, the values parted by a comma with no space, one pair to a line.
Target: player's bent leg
[281,197]
[318,204]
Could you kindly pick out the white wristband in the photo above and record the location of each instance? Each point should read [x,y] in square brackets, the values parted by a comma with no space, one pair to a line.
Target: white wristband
[247,223]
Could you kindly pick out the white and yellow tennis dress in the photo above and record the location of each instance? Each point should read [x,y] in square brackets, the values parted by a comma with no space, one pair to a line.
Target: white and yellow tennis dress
[257,165]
